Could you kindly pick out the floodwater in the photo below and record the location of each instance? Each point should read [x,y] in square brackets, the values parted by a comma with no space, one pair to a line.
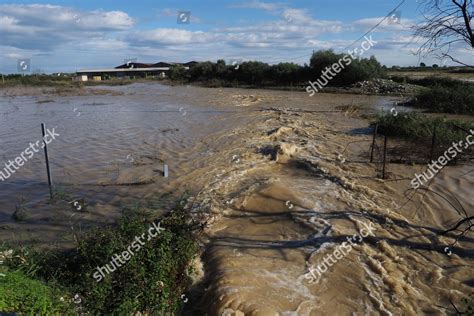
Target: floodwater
[283,180]
[110,151]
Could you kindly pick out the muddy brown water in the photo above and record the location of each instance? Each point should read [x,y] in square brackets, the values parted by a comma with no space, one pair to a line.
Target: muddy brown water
[110,152]
[276,196]
[112,147]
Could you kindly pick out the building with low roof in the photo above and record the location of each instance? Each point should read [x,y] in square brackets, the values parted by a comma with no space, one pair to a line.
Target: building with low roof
[130,70]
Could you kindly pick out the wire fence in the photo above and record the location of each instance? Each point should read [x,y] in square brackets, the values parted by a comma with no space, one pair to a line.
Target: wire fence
[432,148]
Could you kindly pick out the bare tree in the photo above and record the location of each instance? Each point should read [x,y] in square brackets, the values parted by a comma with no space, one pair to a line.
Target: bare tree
[447,22]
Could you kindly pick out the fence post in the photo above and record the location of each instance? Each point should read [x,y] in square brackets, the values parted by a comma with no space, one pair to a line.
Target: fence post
[373,143]
[433,143]
[384,156]
[47,161]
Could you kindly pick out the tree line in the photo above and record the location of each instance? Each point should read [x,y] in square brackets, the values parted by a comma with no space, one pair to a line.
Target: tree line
[256,73]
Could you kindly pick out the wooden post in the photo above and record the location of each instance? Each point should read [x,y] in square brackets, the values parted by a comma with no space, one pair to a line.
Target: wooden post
[47,162]
[373,143]
[384,156]
[433,143]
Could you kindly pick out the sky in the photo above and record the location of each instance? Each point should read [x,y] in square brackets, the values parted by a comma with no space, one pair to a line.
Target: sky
[65,36]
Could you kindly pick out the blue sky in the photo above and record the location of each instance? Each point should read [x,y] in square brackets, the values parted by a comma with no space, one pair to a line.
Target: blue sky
[69,35]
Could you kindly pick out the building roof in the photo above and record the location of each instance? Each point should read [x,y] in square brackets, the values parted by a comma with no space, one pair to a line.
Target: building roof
[122,70]
[134,65]
[138,67]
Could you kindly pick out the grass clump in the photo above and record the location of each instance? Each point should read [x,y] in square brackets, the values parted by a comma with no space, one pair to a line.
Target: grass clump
[416,126]
[152,281]
[443,95]
[20,293]
[40,80]
[455,98]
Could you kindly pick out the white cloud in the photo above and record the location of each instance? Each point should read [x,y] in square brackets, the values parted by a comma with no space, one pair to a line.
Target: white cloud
[111,20]
[67,37]
[387,25]
[14,55]
[38,26]
[169,36]
[260,5]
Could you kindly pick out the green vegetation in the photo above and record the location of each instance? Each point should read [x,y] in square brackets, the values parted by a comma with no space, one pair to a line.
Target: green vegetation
[259,74]
[250,73]
[40,80]
[358,70]
[449,96]
[430,81]
[177,72]
[21,212]
[443,95]
[416,127]
[439,69]
[62,83]
[152,281]
[21,293]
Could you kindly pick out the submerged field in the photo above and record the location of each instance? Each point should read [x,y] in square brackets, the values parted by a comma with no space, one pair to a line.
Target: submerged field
[279,180]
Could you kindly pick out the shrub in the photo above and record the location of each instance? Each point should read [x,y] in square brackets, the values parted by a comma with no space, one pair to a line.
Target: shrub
[357,70]
[19,293]
[443,95]
[255,73]
[416,126]
[152,281]
[178,72]
[455,99]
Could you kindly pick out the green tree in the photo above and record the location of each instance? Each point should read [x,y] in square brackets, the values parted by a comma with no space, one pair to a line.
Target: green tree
[285,73]
[202,71]
[253,72]
[177,72]
[357,70]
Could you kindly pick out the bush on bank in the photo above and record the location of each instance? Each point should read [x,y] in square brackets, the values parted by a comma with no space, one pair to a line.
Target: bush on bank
[358,70]
[21,293]
[416,126]
[152,281]
[455,99]
[443,95]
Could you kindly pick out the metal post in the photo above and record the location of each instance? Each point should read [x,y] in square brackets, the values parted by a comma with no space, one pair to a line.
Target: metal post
[384,156]
[47,162]
[165,171]
[373,143]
